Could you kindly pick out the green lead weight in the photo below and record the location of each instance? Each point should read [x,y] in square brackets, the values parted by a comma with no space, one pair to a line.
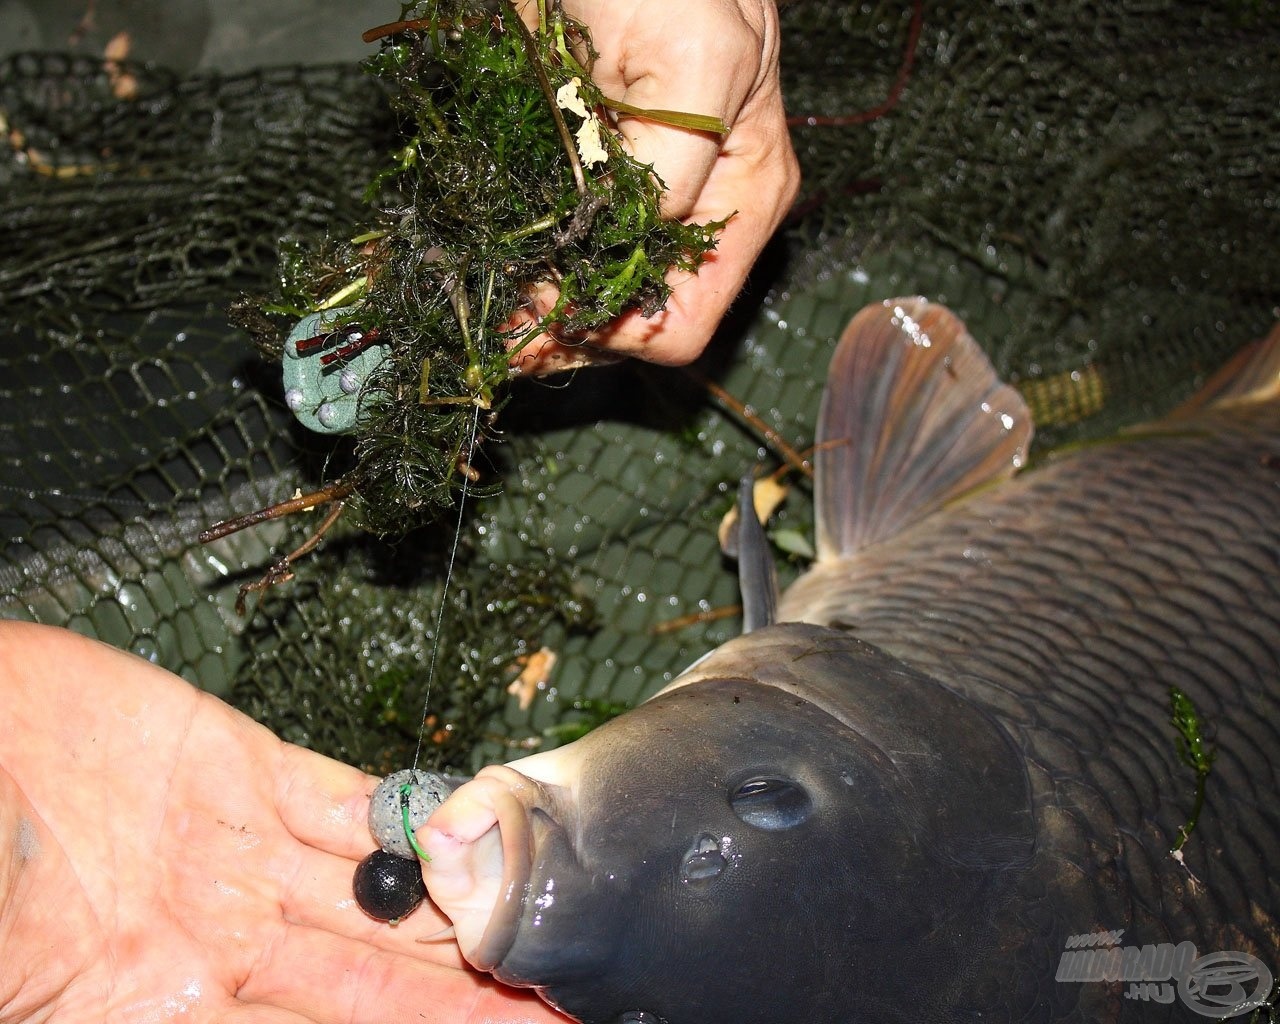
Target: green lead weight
[326,364]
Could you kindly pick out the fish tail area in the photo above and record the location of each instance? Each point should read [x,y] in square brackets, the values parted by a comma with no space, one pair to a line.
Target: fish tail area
[913,417]
[1251,376]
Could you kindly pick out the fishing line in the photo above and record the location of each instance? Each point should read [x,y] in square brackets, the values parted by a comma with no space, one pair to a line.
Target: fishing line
[81,497]
[444,591]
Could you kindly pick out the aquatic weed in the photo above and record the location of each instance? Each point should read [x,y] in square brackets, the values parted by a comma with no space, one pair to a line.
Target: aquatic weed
[508,176]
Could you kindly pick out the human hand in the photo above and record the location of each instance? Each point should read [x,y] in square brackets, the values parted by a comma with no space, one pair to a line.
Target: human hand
[163,857]
[717,57]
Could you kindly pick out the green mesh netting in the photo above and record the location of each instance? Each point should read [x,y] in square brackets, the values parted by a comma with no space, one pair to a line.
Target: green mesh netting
[1093,186]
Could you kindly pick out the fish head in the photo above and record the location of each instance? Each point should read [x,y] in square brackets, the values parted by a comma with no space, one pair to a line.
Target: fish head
[752,844]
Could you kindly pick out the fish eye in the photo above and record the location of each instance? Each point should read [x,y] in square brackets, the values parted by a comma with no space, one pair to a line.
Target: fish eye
[770,803]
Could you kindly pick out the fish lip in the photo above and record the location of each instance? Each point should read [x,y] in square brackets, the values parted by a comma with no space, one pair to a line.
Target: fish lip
[512,815]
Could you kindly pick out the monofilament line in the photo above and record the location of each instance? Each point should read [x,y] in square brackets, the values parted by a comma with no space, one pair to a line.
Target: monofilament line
[444,591]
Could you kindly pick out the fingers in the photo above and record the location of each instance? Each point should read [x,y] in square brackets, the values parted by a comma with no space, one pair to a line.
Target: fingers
[714,57]
[698,302]
[753,186]
[324,803]
[697,57]
[319,895]
[326,978]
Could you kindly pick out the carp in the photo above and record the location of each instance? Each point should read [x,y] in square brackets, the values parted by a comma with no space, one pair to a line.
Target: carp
[944,766]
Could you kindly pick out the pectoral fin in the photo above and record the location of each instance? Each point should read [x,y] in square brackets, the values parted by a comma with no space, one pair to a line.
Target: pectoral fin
[913,417]
[757,578]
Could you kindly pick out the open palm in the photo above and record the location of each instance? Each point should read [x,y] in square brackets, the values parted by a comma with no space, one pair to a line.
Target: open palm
[163,857]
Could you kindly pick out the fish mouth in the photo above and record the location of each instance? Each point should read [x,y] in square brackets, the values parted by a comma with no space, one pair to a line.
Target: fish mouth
[481,845]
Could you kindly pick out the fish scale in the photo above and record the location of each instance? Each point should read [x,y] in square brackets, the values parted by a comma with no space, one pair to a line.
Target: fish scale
[1073,599]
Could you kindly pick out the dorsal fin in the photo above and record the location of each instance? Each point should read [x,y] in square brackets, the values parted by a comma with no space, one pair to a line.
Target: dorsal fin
[913,416]
[1252,375]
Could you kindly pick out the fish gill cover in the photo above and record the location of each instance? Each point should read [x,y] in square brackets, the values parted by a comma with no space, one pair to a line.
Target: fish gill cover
[1090,185]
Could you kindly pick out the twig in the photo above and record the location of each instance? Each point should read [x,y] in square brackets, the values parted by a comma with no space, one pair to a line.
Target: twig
[775,440]
[566,136]
[685,621]
[282,571]
[334,492]
[392,28]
